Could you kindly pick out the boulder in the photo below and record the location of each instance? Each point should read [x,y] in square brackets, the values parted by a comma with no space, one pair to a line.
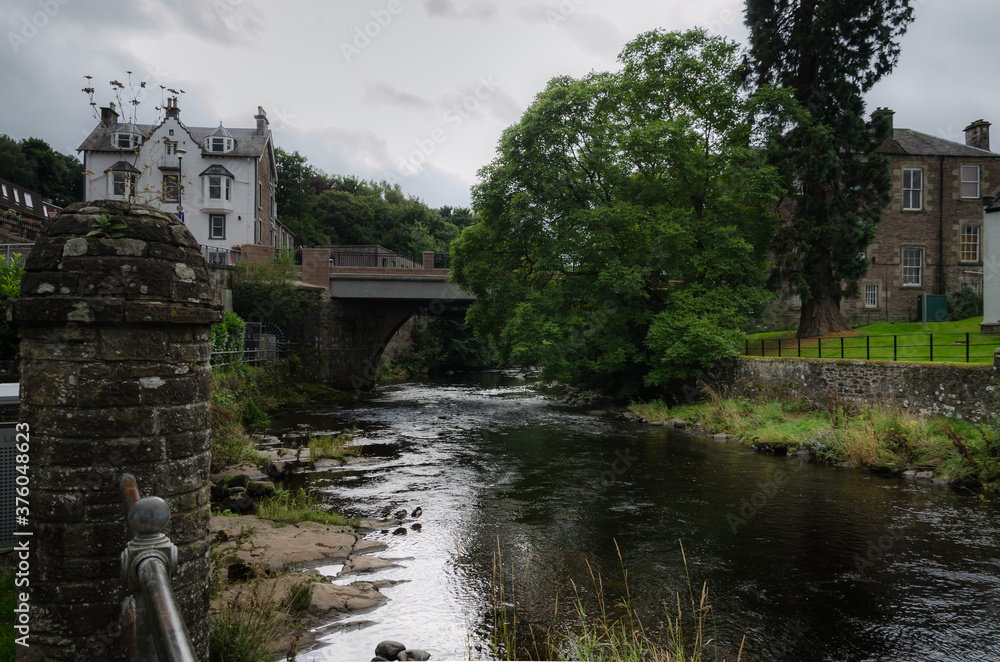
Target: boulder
[413,654]
[238,501]
[260,488]
[389,649]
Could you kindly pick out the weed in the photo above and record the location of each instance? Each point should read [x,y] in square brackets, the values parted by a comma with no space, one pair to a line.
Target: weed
[292,507]
[335,446]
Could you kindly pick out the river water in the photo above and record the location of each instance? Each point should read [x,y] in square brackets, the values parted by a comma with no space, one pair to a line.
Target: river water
[805,562]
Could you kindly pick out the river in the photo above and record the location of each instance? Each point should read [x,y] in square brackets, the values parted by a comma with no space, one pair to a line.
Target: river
[807,562]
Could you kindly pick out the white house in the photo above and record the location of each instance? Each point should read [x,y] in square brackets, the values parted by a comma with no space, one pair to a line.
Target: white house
[220,181]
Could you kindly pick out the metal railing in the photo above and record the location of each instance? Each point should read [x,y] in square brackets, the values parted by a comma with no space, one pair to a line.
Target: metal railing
[17,225]
[372,259]
[216,255]
[269,352]
[153,626]
[8,251]
[952,347]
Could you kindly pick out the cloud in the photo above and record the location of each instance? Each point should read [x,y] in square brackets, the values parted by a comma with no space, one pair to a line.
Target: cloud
[476,10]
[382,93]
[594,34]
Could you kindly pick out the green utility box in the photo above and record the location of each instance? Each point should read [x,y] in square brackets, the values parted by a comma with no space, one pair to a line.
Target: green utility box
[932,308]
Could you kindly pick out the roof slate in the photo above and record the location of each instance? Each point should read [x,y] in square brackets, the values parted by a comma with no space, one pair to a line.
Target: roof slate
[249,143]
[914,143]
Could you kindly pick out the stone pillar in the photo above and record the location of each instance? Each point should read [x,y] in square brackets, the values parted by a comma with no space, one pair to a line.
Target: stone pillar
[316,267]
[428,260]
[115,378]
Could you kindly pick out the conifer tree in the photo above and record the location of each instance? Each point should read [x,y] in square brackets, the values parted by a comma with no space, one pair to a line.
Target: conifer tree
[828,53]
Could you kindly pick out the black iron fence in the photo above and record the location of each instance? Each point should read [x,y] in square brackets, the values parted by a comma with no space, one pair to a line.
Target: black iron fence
[386,260]
[952,347]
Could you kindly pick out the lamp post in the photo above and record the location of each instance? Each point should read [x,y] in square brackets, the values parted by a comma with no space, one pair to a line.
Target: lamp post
[180,152]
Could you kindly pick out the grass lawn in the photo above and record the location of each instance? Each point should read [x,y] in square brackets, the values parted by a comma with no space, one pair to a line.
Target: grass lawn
[958,341]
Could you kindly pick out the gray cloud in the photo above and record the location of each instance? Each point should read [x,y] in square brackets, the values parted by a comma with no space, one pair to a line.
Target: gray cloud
[594,34]
[477,10]
[379,93]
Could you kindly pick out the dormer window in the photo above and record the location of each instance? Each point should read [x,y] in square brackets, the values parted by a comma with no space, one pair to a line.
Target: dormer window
[126,136]
[220,141]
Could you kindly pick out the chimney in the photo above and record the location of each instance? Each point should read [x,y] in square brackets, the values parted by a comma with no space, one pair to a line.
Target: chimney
[173,111]
[977,134]
[109,115]
[262,122]
[885,115]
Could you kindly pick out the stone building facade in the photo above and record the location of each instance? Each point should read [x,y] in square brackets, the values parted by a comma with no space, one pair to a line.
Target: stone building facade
[930,239]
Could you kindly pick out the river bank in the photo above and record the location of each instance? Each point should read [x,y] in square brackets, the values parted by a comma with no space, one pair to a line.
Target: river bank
[881,439]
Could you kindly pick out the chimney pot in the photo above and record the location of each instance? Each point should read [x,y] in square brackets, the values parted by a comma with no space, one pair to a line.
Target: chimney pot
[109,115]
[262,122]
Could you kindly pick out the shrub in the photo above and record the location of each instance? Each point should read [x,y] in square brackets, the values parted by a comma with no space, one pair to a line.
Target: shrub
[965,304]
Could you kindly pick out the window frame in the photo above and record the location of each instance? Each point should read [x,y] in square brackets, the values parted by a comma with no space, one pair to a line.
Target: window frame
[224,145]
[215,187]
[28,202]
[919,267]
[919,189]
[963,181]
[212,227]
[871,296]
[175,187]
[962,243]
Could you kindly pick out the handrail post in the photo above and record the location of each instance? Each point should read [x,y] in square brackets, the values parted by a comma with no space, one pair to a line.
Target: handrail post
[148,563]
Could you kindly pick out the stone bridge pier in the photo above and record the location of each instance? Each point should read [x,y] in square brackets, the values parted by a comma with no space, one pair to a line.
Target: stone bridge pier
[115,378]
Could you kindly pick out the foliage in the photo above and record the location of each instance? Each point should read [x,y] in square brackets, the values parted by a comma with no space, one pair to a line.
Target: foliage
[292,507]
[964,304]
[227,336]
[264,293]
[247,627]
[828,53]
[106,226]
[442,343]
[344,210]
[868,436]
[334,446]
[625,220]
[11,273]
[33,164]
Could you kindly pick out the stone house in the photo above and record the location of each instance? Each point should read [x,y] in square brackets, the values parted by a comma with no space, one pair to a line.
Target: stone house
[220,181]
[930,239]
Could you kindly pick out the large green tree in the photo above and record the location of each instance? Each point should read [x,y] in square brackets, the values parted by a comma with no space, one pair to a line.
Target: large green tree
[624,224]
[828,53]
[33,164]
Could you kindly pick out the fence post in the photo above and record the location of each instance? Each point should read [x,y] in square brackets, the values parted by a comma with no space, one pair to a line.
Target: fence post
[868,348]
[819,346]
[841,346]
[894,348]
[932,347]
[779,348]
[798,344]
[115,344]
[967,340]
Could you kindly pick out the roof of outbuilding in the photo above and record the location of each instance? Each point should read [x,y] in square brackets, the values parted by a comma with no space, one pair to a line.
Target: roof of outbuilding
[914,143]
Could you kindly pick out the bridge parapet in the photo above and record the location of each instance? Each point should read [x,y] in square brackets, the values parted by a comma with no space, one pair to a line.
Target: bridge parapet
[319,264]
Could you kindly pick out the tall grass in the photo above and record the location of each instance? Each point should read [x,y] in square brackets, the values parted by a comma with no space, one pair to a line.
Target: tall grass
[248,625]
[613,632]
[294,506]
[872,435]
[337,446]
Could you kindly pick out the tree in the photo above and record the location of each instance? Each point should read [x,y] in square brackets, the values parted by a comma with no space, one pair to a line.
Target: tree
[625,222]
[33,164]
[828,53]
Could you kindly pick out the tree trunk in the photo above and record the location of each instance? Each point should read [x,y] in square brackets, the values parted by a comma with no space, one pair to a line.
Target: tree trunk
[821,315]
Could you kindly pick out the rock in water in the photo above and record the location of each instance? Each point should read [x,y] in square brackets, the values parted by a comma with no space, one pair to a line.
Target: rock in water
[414,654]
[389,649]
[417,512]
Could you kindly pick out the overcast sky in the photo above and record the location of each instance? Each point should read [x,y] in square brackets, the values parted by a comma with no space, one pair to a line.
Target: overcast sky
[411,91]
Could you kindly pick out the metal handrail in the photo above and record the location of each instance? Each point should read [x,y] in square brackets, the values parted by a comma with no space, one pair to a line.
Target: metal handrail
[154,628]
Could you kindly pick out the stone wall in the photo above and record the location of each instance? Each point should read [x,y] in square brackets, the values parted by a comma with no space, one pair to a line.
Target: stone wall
[115,379]
[958,390]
